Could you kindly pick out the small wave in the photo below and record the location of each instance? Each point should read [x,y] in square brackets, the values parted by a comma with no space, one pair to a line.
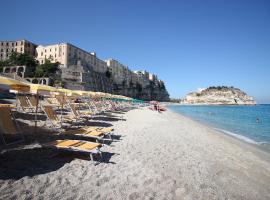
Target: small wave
[241,137]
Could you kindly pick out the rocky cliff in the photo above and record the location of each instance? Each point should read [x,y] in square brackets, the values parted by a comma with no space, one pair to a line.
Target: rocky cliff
[221,95]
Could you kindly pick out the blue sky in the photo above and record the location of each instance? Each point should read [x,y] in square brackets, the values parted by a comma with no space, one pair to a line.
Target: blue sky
[189,44]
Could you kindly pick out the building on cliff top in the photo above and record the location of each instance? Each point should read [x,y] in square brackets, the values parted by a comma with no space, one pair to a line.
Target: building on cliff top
[19,46]
[85,71]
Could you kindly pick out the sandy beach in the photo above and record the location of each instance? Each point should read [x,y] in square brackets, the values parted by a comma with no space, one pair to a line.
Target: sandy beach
[154,156]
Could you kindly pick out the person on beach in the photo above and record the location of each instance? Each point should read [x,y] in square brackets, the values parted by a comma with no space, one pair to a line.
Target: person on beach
[155,107]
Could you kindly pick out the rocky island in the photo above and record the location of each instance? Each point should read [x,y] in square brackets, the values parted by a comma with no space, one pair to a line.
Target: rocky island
[219,95]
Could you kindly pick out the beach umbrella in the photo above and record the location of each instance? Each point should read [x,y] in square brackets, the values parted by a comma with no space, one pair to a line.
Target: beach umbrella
[42,89]
[65,91]
[11,84]
[80,92]
[90,93]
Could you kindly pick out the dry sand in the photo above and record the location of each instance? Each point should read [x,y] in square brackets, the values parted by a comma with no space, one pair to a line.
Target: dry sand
[158,156]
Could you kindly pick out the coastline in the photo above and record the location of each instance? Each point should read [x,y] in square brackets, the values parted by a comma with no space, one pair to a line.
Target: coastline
[155,156]
[260,150]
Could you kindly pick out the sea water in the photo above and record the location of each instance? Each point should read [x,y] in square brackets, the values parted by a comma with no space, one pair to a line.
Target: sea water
[249,123]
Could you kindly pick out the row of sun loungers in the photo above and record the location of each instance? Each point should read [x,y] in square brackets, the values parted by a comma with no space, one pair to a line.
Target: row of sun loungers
[79,112]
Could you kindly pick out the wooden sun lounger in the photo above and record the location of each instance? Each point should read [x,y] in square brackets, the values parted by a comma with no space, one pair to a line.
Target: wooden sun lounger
[76,145]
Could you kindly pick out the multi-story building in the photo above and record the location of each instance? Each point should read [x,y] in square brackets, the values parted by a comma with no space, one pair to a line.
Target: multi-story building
[120,73]
[19,46]
[67,54]
[80,69]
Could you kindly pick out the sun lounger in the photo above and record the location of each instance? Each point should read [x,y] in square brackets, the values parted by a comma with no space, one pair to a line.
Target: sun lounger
[8,125]
[77,112]
[76,145]
[52,117]
[94,132]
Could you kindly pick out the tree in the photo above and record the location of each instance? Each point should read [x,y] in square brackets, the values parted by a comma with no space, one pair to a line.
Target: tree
[20,60]
[47,69]
[3,64]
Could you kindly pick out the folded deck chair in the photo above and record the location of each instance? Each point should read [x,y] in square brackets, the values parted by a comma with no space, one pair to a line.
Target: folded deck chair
[76,145]
[9,126]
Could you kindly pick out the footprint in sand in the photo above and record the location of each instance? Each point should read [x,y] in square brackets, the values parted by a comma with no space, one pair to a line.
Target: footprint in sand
[102,181]
[148,182]
[134,195]
[180,194]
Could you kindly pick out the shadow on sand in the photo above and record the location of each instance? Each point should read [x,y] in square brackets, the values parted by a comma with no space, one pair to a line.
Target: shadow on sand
[103,118]
[17,164]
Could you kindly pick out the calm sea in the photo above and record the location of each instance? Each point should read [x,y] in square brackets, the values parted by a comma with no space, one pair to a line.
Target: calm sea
[249,123]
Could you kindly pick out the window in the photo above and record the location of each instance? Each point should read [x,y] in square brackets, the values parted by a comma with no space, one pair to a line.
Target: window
[21,42]
[7,44]
[12,44]
[41,61]
[15,49]
[2,43]
[41,53]
[12,50]
[50,50]
[16,44]
[21,49]
[1,55]
[45,51]
[6,50]
[2,50]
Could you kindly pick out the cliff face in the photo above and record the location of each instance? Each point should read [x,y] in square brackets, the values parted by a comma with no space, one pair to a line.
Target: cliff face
[219,96]
[150,92]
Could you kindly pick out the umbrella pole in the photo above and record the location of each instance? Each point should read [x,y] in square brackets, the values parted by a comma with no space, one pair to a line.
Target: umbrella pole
[62,107]
[37,101]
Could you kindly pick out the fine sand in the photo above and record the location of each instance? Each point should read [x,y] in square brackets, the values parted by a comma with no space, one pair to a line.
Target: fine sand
[154,156]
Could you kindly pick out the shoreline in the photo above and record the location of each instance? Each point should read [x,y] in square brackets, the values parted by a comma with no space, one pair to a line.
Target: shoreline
[263,152]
